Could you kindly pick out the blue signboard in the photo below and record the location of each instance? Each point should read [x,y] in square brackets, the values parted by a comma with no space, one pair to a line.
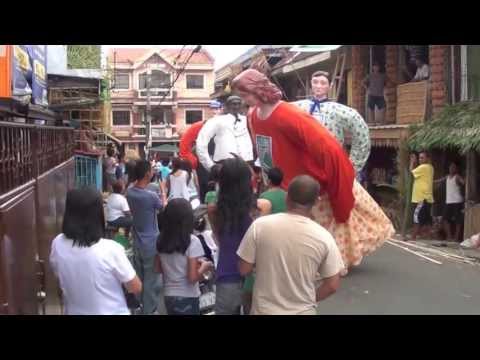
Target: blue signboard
[38,60]
[22,74]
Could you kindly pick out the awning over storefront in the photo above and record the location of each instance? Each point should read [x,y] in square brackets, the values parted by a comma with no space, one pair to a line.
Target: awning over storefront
[167,148]
[315,59]
[302,56]
[386,136]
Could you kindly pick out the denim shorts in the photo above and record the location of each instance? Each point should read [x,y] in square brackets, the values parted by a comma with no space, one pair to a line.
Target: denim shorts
[177,305]
[228,300]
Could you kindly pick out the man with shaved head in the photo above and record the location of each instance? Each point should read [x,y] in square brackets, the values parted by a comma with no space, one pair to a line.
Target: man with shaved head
[290,253]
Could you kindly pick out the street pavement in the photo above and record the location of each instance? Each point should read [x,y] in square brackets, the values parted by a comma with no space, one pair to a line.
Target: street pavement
[392,281]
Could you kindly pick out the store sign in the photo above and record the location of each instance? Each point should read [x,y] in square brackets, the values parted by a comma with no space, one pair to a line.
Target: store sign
[29,78]
[39,74]
[22,74]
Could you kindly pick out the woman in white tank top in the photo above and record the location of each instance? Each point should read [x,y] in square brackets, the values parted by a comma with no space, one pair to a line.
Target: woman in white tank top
[177,183]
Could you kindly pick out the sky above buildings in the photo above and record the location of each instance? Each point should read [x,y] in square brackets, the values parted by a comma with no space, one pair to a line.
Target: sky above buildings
[223,54]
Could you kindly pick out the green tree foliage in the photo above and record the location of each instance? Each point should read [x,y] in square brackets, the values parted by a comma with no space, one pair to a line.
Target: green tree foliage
[84,56]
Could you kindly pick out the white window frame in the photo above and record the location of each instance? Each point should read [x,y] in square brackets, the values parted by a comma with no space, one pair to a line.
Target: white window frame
[197,74]
[142,116]
[135,135]
[122,126]
[129,81]
[151,89]
[197,109]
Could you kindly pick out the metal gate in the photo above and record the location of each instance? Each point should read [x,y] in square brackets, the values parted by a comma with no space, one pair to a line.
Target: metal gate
[88,171]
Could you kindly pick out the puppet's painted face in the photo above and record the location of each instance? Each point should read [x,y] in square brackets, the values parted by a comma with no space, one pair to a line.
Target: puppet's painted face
[249,98]
[320,86]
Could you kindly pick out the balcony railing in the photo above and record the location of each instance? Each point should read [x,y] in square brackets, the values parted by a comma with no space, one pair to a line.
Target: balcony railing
[27,151]
[155,93]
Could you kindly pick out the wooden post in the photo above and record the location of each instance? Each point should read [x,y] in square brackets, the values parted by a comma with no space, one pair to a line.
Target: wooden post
[359,71]
[407,182]
[471,191]
[391,70]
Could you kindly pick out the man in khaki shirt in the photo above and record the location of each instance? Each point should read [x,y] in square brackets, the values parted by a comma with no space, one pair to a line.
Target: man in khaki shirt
[291,253]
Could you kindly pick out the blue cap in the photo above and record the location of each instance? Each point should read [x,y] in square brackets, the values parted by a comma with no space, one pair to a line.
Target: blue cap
[215,104]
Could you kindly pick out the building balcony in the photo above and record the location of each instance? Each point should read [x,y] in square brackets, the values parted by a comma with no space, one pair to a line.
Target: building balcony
[413,102]
[408,103]
[137,133]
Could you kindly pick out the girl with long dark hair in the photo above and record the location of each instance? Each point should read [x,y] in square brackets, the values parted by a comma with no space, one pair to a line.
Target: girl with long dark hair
[91,269]
[180,259]
[230,218]
[177,181]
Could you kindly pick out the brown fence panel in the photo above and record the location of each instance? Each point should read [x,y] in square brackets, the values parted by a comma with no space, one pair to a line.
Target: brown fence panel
[16,156]
[36,170]
[47,229]
[18,244]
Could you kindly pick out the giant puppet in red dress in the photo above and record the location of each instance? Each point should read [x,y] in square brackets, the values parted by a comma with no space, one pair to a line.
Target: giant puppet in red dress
[295,142]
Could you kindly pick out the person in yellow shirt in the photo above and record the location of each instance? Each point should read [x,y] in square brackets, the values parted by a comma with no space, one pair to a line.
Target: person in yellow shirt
[422,194]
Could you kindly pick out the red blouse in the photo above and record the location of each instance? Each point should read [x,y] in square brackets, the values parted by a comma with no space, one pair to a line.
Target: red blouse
[187,141]
[295,142]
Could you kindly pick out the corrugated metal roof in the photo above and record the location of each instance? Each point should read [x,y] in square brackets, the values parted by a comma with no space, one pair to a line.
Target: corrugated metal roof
[314,48]
[249,54]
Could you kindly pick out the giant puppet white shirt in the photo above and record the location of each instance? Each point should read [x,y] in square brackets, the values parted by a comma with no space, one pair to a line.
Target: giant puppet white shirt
[230,136]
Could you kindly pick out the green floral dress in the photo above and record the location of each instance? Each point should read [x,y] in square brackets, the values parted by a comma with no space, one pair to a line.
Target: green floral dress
[338,119]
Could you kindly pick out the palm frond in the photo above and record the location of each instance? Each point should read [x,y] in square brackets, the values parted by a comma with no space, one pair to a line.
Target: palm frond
[455,127]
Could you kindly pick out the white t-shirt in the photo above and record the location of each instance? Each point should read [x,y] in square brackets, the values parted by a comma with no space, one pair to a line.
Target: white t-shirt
[291,253]
[454,194]
[91,278]
[175,267]
[178,186]
[423,73]
[116,206]
[111,165]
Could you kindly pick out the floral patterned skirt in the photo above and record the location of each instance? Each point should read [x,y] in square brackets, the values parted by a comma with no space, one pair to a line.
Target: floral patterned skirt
[366,230]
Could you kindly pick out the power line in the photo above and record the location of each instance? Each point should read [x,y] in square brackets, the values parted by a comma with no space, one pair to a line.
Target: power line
[195,50]
[179,54]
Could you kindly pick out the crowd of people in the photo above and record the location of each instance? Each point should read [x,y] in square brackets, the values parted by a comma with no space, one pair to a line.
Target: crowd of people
[267,204]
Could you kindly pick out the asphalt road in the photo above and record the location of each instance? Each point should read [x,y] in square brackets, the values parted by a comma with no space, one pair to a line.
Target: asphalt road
[394,282]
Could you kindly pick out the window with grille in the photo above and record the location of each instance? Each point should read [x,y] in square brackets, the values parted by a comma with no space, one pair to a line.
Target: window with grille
[194,81]
[122,81]
[192,116]
[158,116]
[120,118]
[158,80]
